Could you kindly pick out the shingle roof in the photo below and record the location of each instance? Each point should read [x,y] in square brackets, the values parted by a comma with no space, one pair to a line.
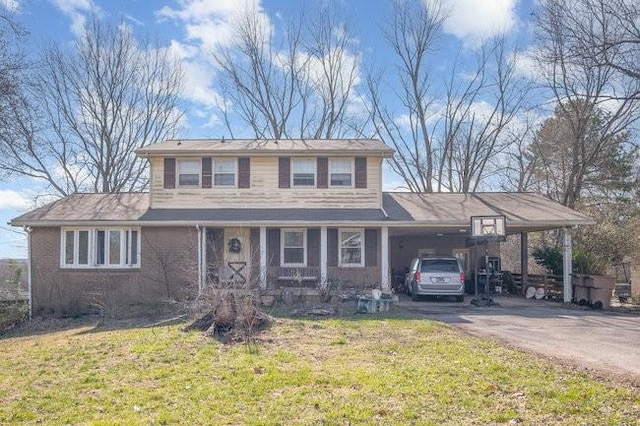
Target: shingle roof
[122,207]
[268,147]
[453,209]
[523,210]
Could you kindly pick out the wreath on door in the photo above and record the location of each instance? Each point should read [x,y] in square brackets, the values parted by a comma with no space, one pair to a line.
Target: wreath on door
[235,245]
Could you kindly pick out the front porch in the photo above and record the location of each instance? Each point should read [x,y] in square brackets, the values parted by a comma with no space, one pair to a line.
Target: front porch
[279,257]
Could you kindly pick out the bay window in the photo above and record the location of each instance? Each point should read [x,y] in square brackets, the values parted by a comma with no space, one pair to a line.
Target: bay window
[100,248]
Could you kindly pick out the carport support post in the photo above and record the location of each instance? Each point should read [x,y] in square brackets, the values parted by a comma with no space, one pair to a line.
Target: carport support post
[567,265]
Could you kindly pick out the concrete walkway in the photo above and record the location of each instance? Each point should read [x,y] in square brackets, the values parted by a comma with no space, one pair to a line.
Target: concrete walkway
[607,341]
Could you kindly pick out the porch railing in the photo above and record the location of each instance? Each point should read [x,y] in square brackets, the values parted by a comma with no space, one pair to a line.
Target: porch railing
[298,273]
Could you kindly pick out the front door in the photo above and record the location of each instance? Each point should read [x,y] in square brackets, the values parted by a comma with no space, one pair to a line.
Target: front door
[237,254]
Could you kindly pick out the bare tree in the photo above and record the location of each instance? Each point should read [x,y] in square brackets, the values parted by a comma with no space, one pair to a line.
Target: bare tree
[93,106]
[449,145]
[413,33]
[604,32]
[478,117]
[13,66]
[297,85]
[597,105]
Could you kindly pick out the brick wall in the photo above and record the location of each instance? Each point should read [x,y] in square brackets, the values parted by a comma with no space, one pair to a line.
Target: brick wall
[168,273]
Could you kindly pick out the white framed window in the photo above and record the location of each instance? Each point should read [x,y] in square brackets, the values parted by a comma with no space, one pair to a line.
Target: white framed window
[100,248]
[293,250]
[351,245]
[303,171]
[189,172]
[224,172]
[340,172]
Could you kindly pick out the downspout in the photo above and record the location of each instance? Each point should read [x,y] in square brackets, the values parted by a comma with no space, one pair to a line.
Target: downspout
[28,230]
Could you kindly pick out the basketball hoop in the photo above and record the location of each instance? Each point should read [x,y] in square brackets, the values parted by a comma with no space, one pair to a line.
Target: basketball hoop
[485,229]
[488,228]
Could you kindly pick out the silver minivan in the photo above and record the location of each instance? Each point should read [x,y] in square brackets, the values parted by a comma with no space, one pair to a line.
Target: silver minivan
[435,276]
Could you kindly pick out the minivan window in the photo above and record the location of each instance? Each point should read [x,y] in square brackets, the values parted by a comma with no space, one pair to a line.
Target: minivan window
[437,265]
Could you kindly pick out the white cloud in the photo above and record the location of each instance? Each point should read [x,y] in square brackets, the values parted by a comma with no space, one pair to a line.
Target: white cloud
[474,20]
[76,10]
[209,23]
[10,5]
[10,199]
[208,26]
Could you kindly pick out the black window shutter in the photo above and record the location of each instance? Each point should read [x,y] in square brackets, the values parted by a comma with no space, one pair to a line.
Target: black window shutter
[313,247]
[361,172]
[284,166]
[169,173]
[273,246]
[323,172]
[244,172]
[370,247]
[332,247]
[206,172]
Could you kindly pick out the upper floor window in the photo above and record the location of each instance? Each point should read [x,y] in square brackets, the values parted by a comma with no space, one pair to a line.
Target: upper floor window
[100,248]
[340,172]
[294,247]
[351,243]
[303,172]
[224,172]
[189,172]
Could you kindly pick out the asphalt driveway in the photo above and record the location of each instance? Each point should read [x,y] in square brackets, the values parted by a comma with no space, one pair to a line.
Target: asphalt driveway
[606,341]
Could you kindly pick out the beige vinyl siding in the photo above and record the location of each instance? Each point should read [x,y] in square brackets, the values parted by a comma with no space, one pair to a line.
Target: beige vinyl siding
[264,187]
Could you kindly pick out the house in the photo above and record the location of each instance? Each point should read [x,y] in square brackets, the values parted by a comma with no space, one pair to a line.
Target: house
[274,213]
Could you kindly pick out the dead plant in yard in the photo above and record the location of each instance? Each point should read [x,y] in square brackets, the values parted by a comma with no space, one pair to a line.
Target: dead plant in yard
[230,310]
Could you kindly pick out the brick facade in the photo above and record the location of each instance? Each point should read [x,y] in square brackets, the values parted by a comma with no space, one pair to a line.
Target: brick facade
[168,272]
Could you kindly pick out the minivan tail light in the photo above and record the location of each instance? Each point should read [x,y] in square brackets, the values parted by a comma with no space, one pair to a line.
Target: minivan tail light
[417,276]
[461,277]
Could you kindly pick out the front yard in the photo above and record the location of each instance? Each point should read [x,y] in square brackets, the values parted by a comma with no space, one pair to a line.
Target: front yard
[354,370]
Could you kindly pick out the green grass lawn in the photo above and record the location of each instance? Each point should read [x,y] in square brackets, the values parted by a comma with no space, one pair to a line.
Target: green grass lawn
[358,370]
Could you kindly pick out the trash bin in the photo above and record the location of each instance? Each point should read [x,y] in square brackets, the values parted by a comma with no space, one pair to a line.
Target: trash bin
[601,291]
[580,291]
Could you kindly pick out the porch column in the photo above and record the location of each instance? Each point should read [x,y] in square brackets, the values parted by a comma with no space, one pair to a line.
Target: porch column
[323,254]
[567,265]
[263,257]
[201,257]
[524,259]
[384,257]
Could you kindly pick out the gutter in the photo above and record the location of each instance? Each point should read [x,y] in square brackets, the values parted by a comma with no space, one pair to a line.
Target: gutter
[549,224]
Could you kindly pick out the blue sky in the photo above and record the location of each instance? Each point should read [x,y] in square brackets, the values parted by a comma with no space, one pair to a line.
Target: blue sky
[192,29]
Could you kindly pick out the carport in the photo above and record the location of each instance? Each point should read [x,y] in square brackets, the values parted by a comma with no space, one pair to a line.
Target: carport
[439,224]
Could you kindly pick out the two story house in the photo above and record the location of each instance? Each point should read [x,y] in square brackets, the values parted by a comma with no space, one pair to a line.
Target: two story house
[270,213]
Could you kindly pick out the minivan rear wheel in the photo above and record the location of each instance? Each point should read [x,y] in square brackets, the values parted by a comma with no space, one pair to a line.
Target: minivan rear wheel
[414,296]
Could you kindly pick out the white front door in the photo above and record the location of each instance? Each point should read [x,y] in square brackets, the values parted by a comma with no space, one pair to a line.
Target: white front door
[237,253]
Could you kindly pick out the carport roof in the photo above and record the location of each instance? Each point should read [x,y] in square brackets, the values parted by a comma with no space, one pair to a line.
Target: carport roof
[524,211]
